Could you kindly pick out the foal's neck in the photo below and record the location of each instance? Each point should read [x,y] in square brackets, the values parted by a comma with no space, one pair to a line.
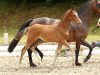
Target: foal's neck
[64,24]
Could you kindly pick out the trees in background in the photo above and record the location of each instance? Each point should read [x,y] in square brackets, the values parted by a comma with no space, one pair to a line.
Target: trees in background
[14,12]
[30,2]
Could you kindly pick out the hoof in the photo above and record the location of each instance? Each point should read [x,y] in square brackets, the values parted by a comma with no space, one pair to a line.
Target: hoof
[78,64]
[33,65]
[85,60]
[41,56]
[41,59]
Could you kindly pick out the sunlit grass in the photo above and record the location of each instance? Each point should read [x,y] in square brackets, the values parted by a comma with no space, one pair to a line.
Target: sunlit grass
[92,38]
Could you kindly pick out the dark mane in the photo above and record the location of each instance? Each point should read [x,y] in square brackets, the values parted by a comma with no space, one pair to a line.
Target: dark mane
[84,5]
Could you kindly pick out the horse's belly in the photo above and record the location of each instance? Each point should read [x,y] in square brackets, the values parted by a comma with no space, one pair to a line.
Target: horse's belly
[49,37]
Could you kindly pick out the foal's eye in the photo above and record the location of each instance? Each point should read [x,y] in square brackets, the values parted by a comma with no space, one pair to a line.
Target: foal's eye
[74,15]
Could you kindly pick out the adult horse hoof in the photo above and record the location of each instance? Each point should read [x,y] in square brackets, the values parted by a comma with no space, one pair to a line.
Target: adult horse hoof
[33,65]
[78,64]
[41,57]
[85,60]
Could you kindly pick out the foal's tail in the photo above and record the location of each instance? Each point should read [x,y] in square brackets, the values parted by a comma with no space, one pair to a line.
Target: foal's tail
[19,35]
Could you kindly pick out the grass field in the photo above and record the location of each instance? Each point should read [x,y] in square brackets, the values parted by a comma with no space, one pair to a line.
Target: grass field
[12,32]
[13,17]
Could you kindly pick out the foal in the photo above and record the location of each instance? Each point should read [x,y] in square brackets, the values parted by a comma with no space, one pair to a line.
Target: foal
[52,33]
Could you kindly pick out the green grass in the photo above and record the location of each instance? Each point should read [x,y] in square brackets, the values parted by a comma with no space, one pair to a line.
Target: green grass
[11,35]
[13,17]
[12,32]
[92,38]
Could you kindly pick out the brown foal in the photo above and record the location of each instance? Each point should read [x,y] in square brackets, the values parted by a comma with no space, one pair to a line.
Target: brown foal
[52,33]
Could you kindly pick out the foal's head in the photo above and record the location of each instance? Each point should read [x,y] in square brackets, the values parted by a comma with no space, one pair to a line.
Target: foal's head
[73,16]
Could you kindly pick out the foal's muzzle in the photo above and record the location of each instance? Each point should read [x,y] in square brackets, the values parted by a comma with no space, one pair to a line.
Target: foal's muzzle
[79,23]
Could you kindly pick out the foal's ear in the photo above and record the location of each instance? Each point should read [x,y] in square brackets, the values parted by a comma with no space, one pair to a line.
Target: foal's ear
[73,8]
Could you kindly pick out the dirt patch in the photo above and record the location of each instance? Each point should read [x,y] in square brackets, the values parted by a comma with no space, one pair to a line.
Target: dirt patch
[63,66]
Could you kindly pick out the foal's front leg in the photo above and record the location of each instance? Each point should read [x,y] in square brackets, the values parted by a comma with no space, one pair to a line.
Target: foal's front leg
[57,52]
[65,43]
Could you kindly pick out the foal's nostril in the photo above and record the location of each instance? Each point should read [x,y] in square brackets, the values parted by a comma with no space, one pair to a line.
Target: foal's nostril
[79,23]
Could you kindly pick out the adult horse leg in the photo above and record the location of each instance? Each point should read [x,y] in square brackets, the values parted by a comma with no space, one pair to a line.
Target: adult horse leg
[83,42]
[36,43]
[77,54]
[30,55]
[40,53]
[30,58]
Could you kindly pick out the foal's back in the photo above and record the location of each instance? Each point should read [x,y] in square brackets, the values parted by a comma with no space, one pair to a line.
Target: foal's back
[48,33]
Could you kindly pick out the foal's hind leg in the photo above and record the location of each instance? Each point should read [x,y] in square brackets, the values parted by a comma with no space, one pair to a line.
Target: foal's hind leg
[30,39]
[57,52]
[22,53]
[26,47]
